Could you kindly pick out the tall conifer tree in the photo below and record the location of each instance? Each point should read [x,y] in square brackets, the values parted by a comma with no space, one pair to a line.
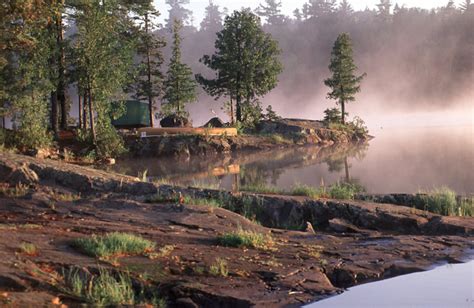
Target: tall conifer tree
[180,87]
[343,82]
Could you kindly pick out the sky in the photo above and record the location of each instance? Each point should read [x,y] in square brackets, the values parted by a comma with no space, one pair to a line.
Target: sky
[197,6]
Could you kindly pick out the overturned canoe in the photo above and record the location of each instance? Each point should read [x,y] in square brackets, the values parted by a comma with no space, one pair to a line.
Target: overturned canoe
[151,132]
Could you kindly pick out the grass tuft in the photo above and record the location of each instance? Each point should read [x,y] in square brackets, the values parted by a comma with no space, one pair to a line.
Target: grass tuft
[443,201]
[114,244]
[219,268]
[105,289]
[17,191]
[246,239]
[344,190]
[29,249]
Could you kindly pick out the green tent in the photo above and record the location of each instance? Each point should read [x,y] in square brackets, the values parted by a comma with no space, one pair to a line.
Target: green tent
[136,115]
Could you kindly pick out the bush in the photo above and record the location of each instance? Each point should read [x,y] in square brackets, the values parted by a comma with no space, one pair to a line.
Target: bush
[113,244]
[271,115]
[332,115]
[32,133]
[109,142]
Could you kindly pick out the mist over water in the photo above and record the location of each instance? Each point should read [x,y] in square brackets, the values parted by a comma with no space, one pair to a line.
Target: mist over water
[398,160]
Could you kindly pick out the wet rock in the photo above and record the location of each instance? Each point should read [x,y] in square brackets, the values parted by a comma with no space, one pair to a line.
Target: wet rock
[214,122]
[175,121]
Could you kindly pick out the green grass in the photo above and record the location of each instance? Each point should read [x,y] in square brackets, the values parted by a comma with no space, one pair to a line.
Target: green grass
[203,201]
[105,289]
[246,239]
[219,268]
[114,244]
[308,191]
[262,189]
[28,249]
[205,185]
[344,191]
[443,201]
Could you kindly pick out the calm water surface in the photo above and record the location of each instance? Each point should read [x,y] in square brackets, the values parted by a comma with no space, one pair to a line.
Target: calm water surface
[396,161]
[446,286]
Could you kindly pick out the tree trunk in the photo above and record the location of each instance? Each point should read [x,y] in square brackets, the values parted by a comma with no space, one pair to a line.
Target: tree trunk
[343,109]
[232,122]
[61,86]
[54,113]
[238,107]
[91,116]
[84,110]
[79,110]
[150,86]
[346,166]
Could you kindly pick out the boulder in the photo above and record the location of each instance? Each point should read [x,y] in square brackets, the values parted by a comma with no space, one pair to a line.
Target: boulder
[214,122]
[15,173]
[175,121]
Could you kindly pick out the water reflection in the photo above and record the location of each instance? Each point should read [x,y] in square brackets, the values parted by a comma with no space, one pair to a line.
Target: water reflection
[445,286]
[397,161]
[247,169]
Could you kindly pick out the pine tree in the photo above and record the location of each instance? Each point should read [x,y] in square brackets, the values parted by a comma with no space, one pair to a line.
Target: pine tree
[297,15]
[246,62]
[345,8]
[271,10]
[180,87]
[149,85]
[25,48]
[384,9]
[343,83]
[467,6]
[177,11]
[320,8]
[103,57]
[212,21]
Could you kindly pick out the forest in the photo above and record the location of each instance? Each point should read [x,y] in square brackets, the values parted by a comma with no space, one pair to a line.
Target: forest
[71,63]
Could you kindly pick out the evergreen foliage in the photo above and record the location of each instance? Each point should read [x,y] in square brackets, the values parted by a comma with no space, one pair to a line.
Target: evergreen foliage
[177,11]
[150,79]
[213,18]
[180,87]
[343,83]
[271,11]
[246,64]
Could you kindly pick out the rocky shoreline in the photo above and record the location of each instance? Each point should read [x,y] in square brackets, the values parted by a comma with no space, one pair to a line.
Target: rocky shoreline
[283,133]
[321,246]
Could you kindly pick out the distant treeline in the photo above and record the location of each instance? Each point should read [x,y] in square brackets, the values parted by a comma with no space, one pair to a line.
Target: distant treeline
[413,56]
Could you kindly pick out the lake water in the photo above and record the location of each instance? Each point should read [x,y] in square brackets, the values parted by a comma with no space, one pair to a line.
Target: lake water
[395,161]
[445,286]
